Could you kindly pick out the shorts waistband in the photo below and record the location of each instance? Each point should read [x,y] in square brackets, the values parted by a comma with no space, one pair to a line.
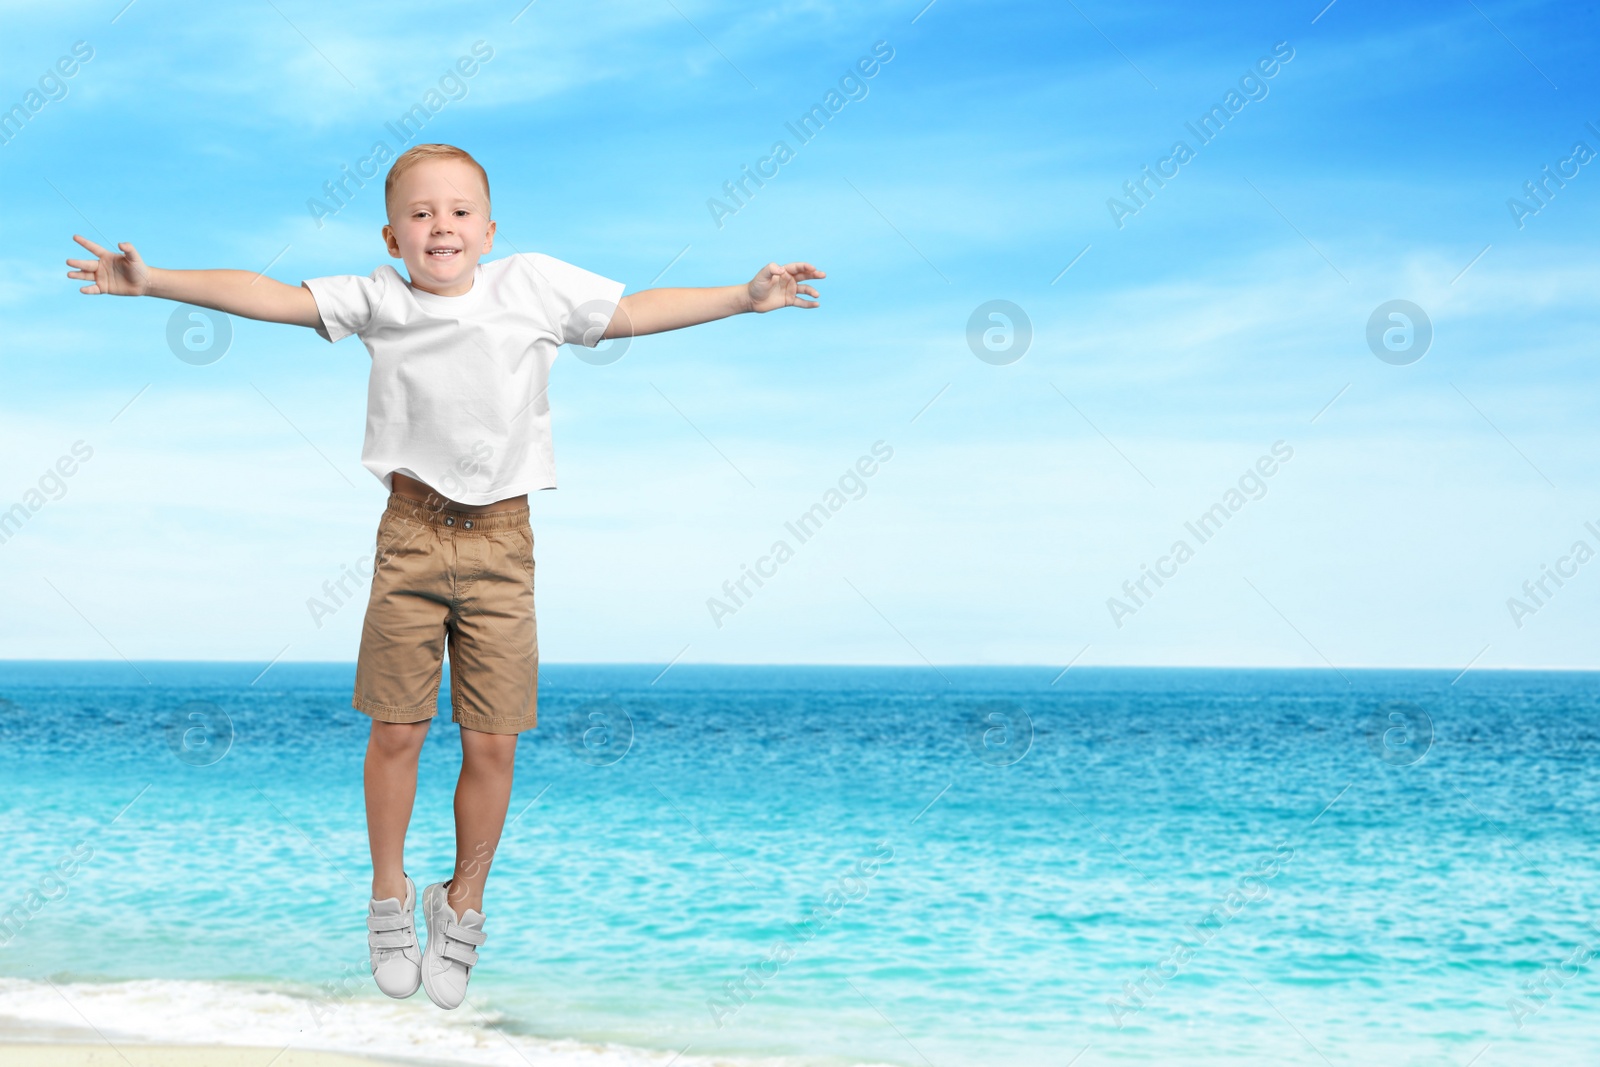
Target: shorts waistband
[455,519]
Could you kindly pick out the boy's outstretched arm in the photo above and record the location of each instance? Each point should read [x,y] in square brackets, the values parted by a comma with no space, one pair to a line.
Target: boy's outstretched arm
[656,310]
[237,292]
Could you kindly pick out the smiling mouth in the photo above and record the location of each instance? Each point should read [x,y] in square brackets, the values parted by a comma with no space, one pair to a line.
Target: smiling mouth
[443,253]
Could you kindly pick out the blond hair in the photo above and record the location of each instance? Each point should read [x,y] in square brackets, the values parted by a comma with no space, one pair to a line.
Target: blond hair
[421,152]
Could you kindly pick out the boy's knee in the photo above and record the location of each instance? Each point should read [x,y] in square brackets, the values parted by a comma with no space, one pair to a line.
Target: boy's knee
[496,752]
[398,738]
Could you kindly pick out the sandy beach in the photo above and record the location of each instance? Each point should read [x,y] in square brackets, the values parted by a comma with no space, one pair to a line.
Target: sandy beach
[125,1054]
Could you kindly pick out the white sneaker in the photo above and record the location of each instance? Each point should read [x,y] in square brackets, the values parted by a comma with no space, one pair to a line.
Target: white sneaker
[448,959]
[392,938]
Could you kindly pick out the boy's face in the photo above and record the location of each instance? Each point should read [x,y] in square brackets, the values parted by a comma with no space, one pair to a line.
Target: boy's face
[440,225]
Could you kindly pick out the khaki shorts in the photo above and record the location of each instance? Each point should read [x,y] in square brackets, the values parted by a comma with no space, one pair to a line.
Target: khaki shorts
[451,579]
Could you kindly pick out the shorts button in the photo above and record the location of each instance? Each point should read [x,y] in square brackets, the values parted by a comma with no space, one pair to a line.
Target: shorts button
[467,525]
[449,520]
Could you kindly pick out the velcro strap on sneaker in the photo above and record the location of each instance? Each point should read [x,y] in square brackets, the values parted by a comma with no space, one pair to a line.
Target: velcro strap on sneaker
[390,939]
[457,932]
[456,951]
[388,922]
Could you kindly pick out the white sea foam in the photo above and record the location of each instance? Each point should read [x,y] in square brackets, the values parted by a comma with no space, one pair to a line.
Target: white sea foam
[238,1014]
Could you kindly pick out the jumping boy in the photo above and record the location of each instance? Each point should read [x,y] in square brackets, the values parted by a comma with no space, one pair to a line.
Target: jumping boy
[458,431]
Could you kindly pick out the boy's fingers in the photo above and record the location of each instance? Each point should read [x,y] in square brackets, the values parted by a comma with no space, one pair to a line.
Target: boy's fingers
[90,245]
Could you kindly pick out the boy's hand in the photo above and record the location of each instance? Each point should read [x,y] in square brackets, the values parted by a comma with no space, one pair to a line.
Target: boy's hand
[777,286]
[119,274]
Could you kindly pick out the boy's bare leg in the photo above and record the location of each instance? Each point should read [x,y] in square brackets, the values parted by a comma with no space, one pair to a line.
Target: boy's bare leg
[482,795]
[391,786]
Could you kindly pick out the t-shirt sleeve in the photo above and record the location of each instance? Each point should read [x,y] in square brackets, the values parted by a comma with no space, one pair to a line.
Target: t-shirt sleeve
[578,303]
[346,303]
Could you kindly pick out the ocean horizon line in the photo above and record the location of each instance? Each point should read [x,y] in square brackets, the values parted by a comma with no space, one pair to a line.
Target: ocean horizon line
[906,667]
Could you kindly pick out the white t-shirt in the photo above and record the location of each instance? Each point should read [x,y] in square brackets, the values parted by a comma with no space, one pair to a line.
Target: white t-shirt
[457,394]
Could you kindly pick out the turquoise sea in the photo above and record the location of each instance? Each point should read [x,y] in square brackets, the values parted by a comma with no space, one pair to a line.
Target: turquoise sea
[819,865]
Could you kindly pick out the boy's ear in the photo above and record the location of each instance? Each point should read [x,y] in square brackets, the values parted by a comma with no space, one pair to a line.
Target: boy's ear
[488,239]
[390,241]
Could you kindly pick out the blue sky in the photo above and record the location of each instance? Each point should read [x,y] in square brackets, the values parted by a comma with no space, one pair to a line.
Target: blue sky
[1229,313]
